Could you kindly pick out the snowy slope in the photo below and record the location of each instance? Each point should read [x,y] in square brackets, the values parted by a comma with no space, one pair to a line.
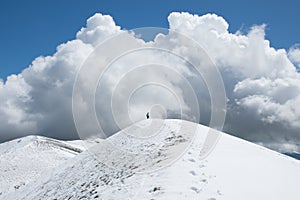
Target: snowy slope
[167,165]
[23,160]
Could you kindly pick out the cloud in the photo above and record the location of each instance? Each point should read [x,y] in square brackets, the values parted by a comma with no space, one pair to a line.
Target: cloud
[38,101]
[99,27]
[262,83]
[294,55]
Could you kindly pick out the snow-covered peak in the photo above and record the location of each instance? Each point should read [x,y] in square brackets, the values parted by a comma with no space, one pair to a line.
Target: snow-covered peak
[161,159]
[23,160]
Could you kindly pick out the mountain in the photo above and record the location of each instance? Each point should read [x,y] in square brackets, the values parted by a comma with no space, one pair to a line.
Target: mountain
[293,155]
[161,159]
[23,160]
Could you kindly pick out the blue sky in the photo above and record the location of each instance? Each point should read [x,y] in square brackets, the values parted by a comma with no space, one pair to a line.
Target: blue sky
[33,28]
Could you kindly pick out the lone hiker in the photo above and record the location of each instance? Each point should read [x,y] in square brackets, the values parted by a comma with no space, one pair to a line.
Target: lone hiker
[147,115]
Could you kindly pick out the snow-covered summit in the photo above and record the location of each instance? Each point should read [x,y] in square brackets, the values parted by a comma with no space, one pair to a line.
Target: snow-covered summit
[23,160]
[160,159]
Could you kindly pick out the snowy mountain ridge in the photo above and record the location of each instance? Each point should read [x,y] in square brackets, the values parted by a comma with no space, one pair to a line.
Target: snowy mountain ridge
[23,160]
[160,159]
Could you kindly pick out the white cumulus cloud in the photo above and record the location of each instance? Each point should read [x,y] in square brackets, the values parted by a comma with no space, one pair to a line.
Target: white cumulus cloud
[262,83]
[294,55]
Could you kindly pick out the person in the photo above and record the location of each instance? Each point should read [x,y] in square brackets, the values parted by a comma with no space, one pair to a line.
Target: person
[147,115]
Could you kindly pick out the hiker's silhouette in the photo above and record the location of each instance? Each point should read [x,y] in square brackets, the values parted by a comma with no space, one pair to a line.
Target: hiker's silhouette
[147,115]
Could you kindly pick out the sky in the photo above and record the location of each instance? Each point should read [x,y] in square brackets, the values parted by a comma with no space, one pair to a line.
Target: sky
[33,28]
[232,62]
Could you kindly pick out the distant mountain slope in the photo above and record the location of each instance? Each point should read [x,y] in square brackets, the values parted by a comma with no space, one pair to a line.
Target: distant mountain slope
[25,159]
[293,155]
[167,166]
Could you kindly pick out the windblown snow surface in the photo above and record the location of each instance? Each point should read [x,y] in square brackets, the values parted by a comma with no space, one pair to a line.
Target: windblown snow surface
[25,159]
[161,159]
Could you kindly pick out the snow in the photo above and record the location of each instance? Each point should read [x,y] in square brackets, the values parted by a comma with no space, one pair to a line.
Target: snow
[23,160]
[160,159]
